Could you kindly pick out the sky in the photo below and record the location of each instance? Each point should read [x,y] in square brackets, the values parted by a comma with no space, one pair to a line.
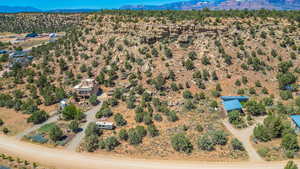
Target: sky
[72,4]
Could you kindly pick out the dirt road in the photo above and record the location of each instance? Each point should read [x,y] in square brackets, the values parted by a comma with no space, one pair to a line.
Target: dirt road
[244,136]
[63,159]
[90,117]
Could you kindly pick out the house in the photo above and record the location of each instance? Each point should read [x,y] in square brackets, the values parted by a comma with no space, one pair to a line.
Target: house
[17,54]
[105,125]
[239,98]
[232,103]
[296,122]
[52,35]
[32,35]
[19,57]
[3,52]
[86,88]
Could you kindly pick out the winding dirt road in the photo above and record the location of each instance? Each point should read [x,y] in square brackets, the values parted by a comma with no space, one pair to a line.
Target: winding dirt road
[62,159]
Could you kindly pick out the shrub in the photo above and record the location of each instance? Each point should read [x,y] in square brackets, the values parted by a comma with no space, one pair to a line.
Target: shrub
[187,94]
[133,137]
[291,165]
[263,151]
[74,126]
[219,137]
[206,143]
[141,131]
[148,119]
[237,145]
[255,108]
[55,133]
[123,135]
[286,94]
[38,117]
[5,130]
[104,112]
[199,128]
[261,133]
[181,143]
[93,100]
[1,122]
[110,143]
[120,121]
[92,129]
[172,116]
[152,130]
[158,117]
[234,117]
[290,142]
[71,112]
[91,143]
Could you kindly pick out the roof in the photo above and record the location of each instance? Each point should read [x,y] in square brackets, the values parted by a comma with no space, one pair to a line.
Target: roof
[296,119]
[104,123]
[3,51]
[33,34]
[232,105]
[239,98]
[86,84]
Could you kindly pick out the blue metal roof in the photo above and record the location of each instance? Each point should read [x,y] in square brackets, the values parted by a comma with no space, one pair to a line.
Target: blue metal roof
[232,105]
[239,98]
[296,119]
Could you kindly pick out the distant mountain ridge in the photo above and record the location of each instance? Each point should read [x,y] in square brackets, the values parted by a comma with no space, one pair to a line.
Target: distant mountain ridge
[221,5]
[19,9]
[16,9]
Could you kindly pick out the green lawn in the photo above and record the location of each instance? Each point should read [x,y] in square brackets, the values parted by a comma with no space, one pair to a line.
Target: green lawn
[46,128]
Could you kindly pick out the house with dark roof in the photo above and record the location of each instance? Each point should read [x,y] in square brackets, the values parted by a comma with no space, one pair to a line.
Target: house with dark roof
[32,35]
[3,52]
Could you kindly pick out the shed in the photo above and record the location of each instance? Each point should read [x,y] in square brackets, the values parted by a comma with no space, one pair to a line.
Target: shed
[296,121]
[105,125]
[231,105]
[239,98]
[63,103]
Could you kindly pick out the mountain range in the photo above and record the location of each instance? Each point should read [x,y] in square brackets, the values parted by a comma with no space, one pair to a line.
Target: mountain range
[19,9]
[221,5]
[180,5]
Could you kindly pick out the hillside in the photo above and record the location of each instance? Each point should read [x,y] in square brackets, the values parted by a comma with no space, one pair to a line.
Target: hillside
[163,73]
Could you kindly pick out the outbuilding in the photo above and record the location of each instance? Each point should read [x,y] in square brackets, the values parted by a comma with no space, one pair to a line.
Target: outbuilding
[105,125]
[296,122]
[232,103]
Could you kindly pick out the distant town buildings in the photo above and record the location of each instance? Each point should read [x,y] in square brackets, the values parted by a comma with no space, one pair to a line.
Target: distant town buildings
[19,57]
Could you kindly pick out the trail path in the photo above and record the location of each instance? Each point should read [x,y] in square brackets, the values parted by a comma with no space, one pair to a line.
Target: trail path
[90,117]
[244,136]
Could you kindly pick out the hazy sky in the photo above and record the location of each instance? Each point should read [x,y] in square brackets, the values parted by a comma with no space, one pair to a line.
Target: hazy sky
[54,4]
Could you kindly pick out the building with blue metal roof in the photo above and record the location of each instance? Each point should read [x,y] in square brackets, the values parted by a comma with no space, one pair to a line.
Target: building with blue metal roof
[239,98]
[231,105]
[296,121]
